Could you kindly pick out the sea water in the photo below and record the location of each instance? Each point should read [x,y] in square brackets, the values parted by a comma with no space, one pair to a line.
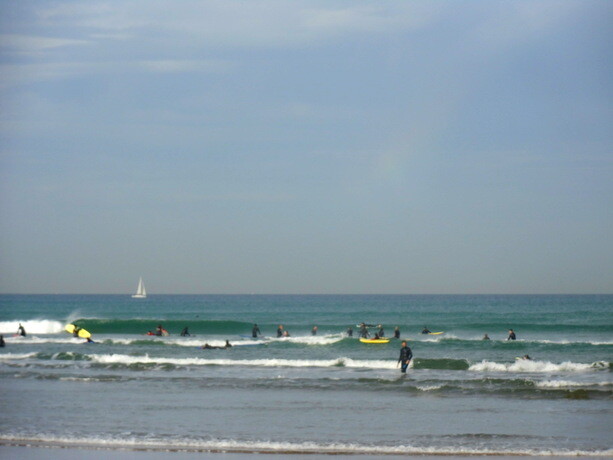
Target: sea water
[324,393]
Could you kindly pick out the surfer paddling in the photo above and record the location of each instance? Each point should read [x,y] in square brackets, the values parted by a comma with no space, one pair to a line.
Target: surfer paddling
[405,357]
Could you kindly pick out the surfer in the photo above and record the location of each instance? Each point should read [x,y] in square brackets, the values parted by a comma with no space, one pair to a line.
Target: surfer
[89,340]
[206,346]
[75,332]
[396,332]
[314,330]
[285,334]
[363,331]
[405,357]
[485,337]
[21,330]
[280,331]
[527,357]
[511,335]
[381,332]
[349,331]
[255,331]
[228,344]
[159,330]
[185,332]
[2,344]
[426,330]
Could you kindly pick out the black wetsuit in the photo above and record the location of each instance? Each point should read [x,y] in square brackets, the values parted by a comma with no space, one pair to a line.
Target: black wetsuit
[350,332]
[1,341]
[425,331]
[397,333]
[511,336]
[21,331]
[185,332]
[364,332]
[405,357]
[255,331]
[279,332]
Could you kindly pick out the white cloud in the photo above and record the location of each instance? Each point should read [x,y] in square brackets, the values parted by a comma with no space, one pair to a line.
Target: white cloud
[33,44]
[243,23]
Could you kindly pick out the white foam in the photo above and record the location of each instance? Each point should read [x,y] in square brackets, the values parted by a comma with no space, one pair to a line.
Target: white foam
[146,359]
[525,365]
[16,356]
[569,384]
[236,446]
[430,387]
[32,326]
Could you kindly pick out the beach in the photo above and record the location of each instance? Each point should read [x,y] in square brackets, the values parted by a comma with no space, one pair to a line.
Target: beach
[305,395]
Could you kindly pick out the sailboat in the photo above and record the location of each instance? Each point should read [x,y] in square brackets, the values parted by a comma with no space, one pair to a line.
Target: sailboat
[141,292]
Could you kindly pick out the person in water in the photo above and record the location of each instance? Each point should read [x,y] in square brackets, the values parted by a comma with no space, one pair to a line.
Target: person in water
[405,357]
[426,330]
[75,332]
[285,334]
[2,344]
[159,330]
[511,335]
[486,337]
[363,331]
[396,332]
[185,332]
[21,330]
[314,330]
[280,330]
[206,346]
[527,357]
[228,344]
[255,331]
[89,340]
[349,331]
[381,332]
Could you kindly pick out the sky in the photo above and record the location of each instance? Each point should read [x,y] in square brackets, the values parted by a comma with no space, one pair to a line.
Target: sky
[402,147]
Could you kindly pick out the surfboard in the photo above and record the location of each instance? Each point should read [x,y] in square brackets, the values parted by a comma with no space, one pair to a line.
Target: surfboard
[435,333]
[374,340]
[82,332]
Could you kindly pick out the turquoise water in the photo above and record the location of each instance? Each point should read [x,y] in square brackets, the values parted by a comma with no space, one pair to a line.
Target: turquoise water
[305,393]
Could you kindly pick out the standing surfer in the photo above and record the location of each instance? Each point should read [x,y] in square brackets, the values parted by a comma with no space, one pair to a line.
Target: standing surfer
[396,332]
[405,357]
[255,331]
[280,330]
[21,330]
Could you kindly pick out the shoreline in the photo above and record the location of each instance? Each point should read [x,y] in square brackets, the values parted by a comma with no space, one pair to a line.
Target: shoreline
[241,452]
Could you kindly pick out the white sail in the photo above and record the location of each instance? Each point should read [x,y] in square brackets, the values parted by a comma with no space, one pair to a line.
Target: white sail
[141,292]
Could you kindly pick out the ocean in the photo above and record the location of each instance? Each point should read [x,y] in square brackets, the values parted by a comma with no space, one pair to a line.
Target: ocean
[326,393]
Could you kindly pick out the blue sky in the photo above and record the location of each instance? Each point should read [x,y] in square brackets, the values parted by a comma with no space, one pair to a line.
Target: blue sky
[306,146]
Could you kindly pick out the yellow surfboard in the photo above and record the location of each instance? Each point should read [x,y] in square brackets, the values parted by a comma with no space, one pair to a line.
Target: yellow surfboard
[82,332]
[435,333]
[374,340]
